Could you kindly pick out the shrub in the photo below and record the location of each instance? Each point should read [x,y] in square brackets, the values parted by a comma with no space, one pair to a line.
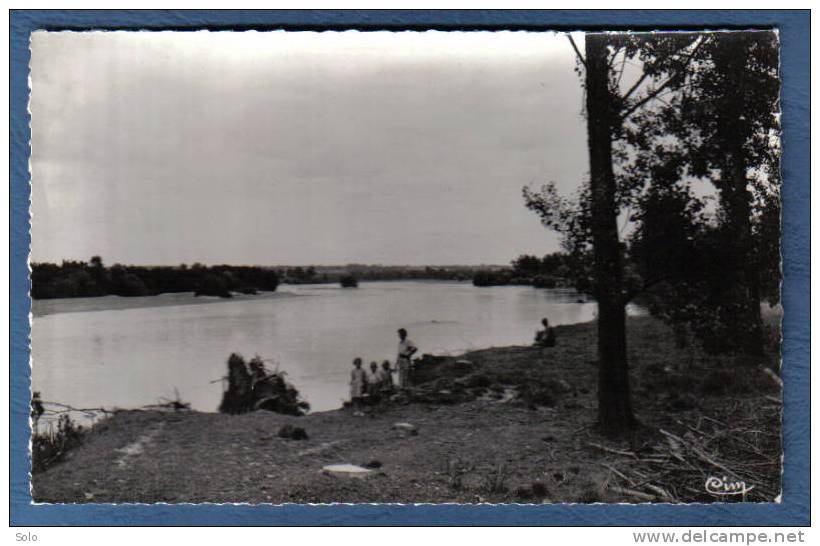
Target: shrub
[213,285]
[491,278]
[49,448]
[543,281]
[251,387]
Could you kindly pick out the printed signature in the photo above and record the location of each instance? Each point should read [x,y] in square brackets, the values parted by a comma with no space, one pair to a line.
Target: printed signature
[721,485]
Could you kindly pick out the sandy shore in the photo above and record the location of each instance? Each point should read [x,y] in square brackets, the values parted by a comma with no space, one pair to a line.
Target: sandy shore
[527,435]
[40,308]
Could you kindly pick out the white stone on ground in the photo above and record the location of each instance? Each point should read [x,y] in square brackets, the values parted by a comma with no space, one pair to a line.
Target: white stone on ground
[347,470]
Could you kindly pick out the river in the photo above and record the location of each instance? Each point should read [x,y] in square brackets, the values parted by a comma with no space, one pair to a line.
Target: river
[131,352]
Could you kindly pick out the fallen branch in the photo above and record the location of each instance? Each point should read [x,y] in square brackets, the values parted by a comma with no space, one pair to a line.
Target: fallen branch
[633,493]
[618,473]
[69,409]
[615,451]
[774,376]
[664,494]
[697,451]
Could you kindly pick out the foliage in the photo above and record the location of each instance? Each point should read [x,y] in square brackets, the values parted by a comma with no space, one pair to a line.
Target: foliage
[87,279]
[550,271]
[50,447]
[81,279]
[704,110]
[721,126]
[299,275]
[251,386]
[492,278]
[37,409]
[213,284]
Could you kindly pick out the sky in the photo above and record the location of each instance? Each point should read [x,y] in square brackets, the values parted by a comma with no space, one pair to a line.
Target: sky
[288,148]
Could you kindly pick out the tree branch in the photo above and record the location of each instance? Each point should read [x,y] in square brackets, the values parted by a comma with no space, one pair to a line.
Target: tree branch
[635,86]
[577,51]
[660,88]
[621,71]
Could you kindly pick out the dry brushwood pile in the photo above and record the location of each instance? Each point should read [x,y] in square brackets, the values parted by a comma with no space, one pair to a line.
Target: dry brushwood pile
[710,461]
[252,387]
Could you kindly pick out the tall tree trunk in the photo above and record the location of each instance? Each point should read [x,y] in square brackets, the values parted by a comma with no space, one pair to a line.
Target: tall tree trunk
[736,203]
[736,199]
[614,407]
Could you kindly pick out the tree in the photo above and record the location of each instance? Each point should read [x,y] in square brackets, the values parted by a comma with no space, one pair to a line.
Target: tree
[721,125]
[734,107]
[591,220]
[526,265]
[614,407]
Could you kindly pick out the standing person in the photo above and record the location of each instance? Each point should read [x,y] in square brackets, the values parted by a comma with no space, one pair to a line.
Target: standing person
[358,382]
[406,350]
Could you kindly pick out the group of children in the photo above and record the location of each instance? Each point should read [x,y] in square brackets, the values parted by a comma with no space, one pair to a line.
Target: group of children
[379,382]
[374,384]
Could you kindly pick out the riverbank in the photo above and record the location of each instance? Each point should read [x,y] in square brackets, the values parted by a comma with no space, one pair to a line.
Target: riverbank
[51,306]
[44,307]
[512,424]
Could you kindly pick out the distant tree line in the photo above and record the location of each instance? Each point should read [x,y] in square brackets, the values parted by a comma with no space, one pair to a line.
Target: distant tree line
[553,270]
[377,272]
[318,274]
[72,279]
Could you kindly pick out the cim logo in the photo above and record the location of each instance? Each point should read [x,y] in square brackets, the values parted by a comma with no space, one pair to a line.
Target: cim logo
[722,486]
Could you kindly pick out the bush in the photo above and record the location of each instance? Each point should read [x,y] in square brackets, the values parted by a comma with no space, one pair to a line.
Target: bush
[213,285]
[543,281]
[252,387]
[491,278]
[49,448]
[84,279]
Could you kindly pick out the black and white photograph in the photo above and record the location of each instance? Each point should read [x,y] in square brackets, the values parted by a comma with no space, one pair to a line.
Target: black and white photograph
[504,267]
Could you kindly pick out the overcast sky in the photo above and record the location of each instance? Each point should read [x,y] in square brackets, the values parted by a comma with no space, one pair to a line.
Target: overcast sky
[299,148]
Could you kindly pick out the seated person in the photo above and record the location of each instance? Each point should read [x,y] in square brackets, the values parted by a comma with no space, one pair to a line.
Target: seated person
[545,337]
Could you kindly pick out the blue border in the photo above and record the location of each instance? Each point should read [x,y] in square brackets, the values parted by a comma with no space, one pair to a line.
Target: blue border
[794,29]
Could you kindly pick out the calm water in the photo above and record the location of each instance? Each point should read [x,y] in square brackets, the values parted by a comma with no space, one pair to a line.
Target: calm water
[92,352]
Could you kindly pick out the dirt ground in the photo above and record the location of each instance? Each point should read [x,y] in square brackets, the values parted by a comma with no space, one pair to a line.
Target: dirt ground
[515,425]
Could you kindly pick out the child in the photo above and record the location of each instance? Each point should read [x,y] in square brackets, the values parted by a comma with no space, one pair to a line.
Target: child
[373,378]
[386,377]
[358,382]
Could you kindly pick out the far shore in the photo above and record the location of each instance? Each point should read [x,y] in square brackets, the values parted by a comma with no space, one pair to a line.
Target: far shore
[50,306]
[43,307]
